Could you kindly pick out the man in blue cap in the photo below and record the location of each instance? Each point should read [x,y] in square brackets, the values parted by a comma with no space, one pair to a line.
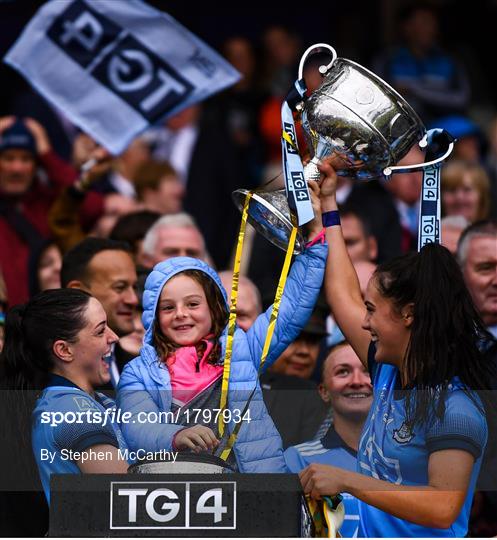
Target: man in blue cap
[24,198]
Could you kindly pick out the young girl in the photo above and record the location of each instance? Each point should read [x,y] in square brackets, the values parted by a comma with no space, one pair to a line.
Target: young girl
[422,444]
[180,367]
[52,361]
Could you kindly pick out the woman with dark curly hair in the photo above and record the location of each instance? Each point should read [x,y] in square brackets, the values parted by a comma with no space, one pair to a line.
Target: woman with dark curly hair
[418,333]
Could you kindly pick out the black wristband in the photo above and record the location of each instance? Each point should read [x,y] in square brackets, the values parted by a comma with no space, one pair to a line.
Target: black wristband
[331,218]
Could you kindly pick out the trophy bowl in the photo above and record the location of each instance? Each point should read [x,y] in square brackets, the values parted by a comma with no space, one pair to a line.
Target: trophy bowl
[270,215]
[358,120]
[354,118]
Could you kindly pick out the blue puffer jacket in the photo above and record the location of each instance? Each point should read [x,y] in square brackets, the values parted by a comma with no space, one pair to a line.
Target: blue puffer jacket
[145,385]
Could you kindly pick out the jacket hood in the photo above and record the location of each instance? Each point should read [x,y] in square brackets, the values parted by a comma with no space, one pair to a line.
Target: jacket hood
[159,276]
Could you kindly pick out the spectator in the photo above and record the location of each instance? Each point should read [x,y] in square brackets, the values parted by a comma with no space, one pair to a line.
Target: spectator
[465,191]
[451,230]
[477,256]
[248,304]
[24,199]
[346,389]
[45,265]
[175,235]
[158,188]
[105,269]
[430,79]
[300,357]
[360,242]
[132,228]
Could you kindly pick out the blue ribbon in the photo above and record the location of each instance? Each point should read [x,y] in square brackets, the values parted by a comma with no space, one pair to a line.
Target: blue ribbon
[430,198]
[297,190]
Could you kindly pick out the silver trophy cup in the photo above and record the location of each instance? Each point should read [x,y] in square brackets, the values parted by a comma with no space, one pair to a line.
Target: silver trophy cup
[355,118]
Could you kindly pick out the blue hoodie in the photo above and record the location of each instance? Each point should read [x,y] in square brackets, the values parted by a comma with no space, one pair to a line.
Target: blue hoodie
[145,384]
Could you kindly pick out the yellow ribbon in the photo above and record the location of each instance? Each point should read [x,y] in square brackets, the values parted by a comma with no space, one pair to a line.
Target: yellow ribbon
[270,330]
[289,140]
[327,521]
[232,319]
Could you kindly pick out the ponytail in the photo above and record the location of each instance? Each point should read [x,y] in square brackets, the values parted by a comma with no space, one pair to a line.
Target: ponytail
[22,368]
[25,365]
[446,331]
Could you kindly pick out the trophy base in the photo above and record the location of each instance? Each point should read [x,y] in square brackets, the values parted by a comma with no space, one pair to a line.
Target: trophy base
[270,216]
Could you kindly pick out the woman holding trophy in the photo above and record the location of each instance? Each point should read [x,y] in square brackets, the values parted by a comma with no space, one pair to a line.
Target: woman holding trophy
[418,333]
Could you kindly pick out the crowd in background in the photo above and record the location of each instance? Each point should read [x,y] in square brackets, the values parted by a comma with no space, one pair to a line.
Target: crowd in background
[169,194]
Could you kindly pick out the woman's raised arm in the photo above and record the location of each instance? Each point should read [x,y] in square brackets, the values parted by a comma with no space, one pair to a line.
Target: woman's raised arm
[343,293]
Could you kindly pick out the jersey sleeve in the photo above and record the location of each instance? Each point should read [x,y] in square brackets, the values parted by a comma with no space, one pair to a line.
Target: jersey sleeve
[463,427]
[82,433]
[294,460]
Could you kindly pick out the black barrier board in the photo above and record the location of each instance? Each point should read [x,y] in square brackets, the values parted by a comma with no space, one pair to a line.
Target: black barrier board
[227,505]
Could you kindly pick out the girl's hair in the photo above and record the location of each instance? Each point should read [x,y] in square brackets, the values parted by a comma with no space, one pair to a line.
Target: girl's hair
[453,177]
[27,360]
[219,314]
[446,331]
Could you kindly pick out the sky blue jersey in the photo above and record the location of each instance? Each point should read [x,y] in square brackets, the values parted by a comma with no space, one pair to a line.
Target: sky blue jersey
[330,450]
[52,444]
[390,451]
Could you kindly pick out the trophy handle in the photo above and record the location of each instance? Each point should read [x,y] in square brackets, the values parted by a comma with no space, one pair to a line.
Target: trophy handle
[322,69]
[419,166]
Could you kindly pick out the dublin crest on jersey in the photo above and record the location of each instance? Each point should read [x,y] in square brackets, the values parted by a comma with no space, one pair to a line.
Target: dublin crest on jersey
[404,434]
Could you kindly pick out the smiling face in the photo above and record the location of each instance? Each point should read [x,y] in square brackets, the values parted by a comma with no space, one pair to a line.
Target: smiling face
[88,366]
[112,280]
[346,385]
[183,311]
[390,330]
